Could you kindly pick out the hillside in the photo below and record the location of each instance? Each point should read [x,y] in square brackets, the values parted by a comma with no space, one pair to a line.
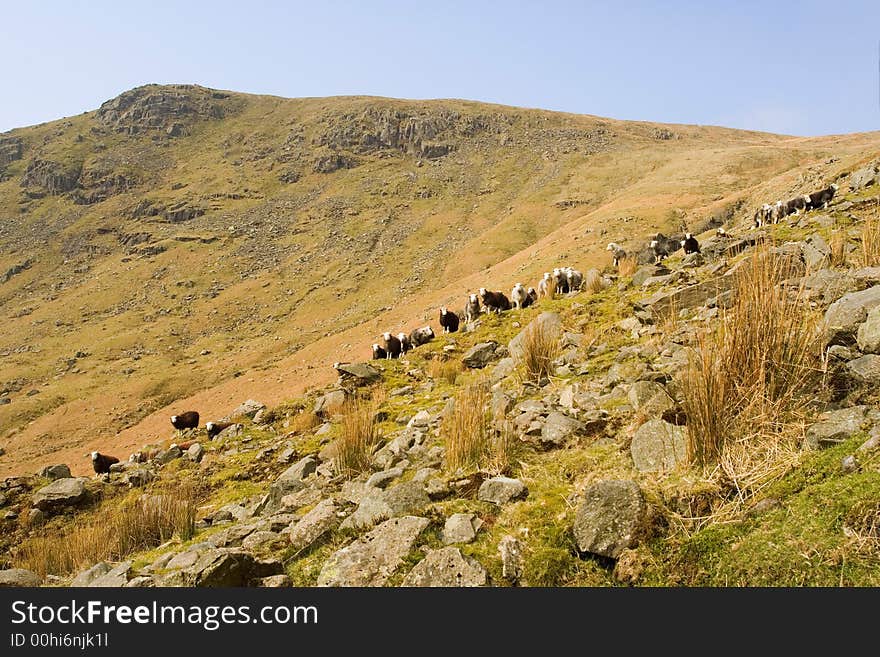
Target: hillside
[182,247]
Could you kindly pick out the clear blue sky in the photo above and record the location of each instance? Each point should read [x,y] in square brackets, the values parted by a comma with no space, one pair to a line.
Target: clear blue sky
[792,67]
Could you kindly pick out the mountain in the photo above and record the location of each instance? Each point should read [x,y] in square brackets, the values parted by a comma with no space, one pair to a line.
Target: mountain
[183,247]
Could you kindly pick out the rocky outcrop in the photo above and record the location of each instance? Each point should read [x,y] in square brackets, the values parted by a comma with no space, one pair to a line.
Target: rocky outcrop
[53,178]
[843,317]
[11,149]
[835,426]
[480,355]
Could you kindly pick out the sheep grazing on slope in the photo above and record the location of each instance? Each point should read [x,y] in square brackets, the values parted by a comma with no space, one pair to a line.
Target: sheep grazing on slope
[494,300]
[448,320]
[617,253]
[720,232]
[188,420]
[420,336]
[213,429]
[795,205]
[519,296]
[823,197]
[379,352]
[531,297]
[405,344]
[560,281]
[101,462]
[575,279]
[546,286]
[392,346]
[659,252]
[472,308]
[762,215]
[690,244]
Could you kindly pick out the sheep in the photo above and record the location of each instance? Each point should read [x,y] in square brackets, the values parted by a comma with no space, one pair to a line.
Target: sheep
[690,244]
[720,232]
[421,336]
[518,295]
[795,205]
[213,429]
[449,321]
[575,279]
[188,420]
[392,346]
[659,252]
[494,300]
[560,281]
[102,462]
[472,308]
[546,286]
[531,297]
[777,212]
[618,253]
[405,344]
[822,197]
[378,352]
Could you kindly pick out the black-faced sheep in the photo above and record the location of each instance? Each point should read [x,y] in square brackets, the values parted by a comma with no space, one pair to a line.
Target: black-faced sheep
[448,320]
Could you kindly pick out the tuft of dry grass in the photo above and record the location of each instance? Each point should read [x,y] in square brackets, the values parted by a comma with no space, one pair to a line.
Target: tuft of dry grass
[627,266]
[304,421]
[870,239]
[471,443]
[593,282]
[360,434]
[747,386]
[136,524]
[540,346]
[445,370]
[839,254]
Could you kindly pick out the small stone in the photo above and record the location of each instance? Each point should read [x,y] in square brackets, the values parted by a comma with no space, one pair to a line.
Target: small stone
[461,528]
[447,567]
[512,562]
[849,464]
[501,490]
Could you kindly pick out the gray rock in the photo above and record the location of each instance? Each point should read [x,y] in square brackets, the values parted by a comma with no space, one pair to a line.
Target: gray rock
[60,493]
[577,397]
[613,516]
[35,518]
[86,577]
[447,567]
[406,498]
[275,582]
[420,420]
[461,528]
[232,431]
[314,525]
[140,582]
[247,409]
[138,478]
[330,404]
[871,443]
[558,429]
[18,577]
[385,477]
[221,567]
[835,426]
[549,322]
[693,260]
[512,558]
[865,177]
[480,355]
[865,369]
[625,373]
[844,315]
[170,454]
[849,464]
[373,559]
[829,284]
[664,302]
[195,453]
[359,373]
[53,472]
[501,490]
[113,578]
[868,334]
[658,445]
[649,397]
[289,481]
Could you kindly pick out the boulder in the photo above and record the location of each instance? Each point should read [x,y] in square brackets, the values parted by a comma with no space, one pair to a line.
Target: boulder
[289,481]
[511,551]
[447,567]
[558,429]
[865,177]
[195,453]
[53,472]
[113,578]
[834,427]
[138,478]
[359,373]
[86,577]
[551,323]
[373,559]
[844,316]
[18,577]
[461,528]
[330,404]
[663,303]
[649,398]
[60,493]
[220,568]
[385,477]
[480,355]
[612,516]
[868,334]
[865,369]
[314,525]
[247,409]
[406,498]
[501,490]
[658,445]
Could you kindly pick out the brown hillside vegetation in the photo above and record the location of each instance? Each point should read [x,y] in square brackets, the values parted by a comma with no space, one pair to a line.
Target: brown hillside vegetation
[182,247]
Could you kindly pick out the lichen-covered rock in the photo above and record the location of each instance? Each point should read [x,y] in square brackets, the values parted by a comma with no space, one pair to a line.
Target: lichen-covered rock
[612,516]
[60,493]
[834,427]
[501,490]
[461,528]
[480,355]
[447,567]
[658,445]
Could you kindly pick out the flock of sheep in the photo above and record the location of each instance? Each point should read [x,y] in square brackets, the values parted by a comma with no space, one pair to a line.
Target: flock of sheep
[561,280]
[659,248]
[773,213]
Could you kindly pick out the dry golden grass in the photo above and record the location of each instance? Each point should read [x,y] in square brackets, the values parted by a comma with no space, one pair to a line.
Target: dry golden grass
[839,253]
[304,421]
[870,238]
[136,524]
[628,266]
[359,436]
[746,388]
[593,282]
[540,346]
[471,443]
[445,370]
